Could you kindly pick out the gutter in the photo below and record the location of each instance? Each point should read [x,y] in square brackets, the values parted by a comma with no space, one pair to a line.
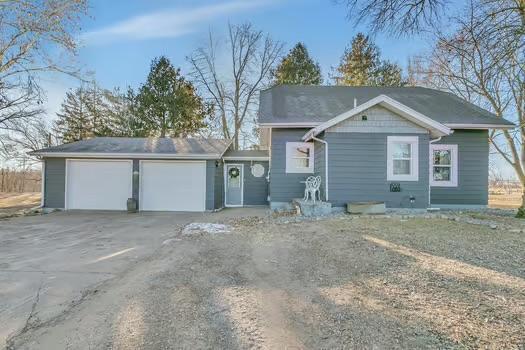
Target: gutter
[103,155]
[325,165]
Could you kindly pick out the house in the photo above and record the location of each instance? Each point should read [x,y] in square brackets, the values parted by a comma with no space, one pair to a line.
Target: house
[409,147]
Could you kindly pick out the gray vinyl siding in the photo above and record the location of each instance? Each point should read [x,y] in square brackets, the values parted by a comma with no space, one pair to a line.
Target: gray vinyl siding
[54,182]
[255,188]
[357,168]
[136,181]
[213,187]
[285,187]
[219,186]
[473,170]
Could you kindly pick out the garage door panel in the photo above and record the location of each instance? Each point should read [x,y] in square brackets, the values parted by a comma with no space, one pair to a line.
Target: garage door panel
[99,185]
[173,186]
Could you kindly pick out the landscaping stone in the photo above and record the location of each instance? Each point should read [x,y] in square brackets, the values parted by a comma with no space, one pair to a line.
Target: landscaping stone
[312,209]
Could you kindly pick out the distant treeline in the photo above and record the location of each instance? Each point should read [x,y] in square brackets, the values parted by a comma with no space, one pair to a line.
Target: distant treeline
[18,180]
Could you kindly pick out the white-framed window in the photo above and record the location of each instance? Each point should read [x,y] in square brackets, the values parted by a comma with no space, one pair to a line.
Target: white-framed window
[402,158]
[444,165]
[299,157]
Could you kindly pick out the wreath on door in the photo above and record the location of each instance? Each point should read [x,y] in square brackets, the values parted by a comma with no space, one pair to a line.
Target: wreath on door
[234,172]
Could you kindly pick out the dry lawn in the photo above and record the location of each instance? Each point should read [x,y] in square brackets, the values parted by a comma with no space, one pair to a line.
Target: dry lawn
[504,198]
[12,204]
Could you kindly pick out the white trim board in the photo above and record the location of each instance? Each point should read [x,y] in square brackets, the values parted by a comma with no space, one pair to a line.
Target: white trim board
[100,155]
[435,128]
[43,184]
[479,126]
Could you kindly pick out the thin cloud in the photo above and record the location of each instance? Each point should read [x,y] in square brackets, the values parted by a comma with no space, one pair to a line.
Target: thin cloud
[168,23]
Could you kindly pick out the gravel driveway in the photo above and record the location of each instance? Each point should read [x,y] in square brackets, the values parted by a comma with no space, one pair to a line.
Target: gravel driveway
[337,283]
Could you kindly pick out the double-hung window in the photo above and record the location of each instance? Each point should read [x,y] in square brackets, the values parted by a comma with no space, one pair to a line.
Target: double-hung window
[402,158]
[299,157]
[444,165]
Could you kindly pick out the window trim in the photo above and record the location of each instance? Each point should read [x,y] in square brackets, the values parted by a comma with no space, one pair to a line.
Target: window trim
[454,165]
[414,158]
[292,169]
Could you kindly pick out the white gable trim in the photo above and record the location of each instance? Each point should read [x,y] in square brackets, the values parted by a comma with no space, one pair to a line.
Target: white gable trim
[437,129]
[480,126]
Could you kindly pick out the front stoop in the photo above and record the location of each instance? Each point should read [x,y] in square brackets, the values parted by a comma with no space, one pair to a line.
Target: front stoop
[309,208]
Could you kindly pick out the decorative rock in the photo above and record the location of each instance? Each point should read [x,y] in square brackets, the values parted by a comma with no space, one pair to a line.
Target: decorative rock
[310,209]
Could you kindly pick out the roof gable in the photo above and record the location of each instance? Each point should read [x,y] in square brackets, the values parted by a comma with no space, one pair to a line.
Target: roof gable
[436,129]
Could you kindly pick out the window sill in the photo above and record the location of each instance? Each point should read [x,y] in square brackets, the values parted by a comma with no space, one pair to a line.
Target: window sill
[411,178]
[299,171]
[444,184]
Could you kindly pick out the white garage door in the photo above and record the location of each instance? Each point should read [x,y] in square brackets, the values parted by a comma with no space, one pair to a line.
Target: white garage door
[172,185]
[98,184]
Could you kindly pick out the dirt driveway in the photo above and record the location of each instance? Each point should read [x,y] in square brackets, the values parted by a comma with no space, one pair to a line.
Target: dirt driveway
[336,283]
[49,263]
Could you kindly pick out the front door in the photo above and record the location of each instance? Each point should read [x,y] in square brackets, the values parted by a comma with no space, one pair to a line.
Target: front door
[234,185]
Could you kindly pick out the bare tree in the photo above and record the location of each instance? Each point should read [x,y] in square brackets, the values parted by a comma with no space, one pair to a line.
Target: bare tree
[233,89]
[484,62]
[34,37]
[25,136]
[403,17]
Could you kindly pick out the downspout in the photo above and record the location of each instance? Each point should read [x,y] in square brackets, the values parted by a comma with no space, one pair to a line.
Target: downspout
[325,165]
[268,177]
[430,168]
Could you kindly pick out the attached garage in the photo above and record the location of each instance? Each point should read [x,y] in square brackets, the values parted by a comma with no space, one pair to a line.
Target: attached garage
[160,174]
[98,184]
[172,185]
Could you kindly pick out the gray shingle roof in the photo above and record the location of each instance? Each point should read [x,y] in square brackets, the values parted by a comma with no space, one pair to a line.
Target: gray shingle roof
[299,103]
[163,146]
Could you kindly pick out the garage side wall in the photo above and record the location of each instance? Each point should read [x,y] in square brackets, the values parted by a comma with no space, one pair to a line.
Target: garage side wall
[214,185]
[54,182]
[473,170]
[219,186]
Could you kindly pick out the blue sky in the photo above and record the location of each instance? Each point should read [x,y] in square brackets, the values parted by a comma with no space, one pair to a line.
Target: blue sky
[120,38]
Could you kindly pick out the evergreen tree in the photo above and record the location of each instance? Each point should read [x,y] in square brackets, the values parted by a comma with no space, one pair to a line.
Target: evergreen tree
[86,112]
[298,68]
[358,63]
[167,104]
[361,65]
[73,123]
[123,113]
[389,74]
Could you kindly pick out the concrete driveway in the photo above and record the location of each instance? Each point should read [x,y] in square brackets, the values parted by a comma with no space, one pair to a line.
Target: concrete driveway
[48,262]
